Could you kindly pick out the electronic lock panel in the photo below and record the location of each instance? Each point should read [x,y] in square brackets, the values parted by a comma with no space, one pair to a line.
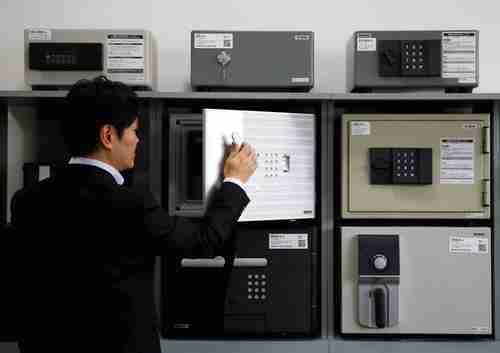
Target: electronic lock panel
[385,60]
[416,166]
[57,58]
[416,280]
[268,286]
[252,60]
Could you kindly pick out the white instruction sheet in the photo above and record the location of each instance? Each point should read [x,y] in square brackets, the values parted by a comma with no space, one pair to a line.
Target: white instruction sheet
[283,186]
[125,57]
[457,161]
[459,51]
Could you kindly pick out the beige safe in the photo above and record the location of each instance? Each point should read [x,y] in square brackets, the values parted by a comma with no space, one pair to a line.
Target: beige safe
[416,166]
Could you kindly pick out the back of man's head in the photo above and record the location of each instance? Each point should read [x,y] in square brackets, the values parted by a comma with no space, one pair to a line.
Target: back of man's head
[92,104]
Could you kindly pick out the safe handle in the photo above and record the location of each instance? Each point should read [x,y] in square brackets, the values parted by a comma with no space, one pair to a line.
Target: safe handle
[219,262]
[380,301]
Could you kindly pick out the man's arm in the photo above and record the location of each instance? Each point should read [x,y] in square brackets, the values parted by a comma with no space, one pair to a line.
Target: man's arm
[191,239]
[188,238]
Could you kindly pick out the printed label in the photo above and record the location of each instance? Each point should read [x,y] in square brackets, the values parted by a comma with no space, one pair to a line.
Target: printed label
[300,79]
[467,245]
[302,37]
[481,329]
[213,40]
[366,42]
[359,128]
[125,57]
[288,241]
[459,56]
[457,161]
[39,34]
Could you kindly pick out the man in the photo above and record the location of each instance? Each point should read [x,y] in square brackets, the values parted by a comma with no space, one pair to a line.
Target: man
[89,242]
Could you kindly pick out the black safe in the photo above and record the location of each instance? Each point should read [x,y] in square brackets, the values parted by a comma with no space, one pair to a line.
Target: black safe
[265,285]
[396,61]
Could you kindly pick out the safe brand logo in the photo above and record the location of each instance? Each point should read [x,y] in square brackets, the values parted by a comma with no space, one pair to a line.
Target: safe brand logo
[302,37]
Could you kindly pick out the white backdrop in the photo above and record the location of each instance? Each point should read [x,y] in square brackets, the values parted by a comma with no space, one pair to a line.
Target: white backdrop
[171,22]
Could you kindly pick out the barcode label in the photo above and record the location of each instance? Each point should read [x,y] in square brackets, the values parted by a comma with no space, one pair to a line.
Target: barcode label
[468,245]
[213,41]
[288,241]
[483,248]
[360,128]
[39,34]
[366,42]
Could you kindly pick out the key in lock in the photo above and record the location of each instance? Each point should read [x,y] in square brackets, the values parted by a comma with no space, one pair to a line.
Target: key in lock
[223,59]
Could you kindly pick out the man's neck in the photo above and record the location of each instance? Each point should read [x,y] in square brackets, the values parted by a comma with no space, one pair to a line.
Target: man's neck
[91,160]
[101,157]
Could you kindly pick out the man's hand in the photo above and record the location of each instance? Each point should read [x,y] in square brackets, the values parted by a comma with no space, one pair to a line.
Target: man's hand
[241,162]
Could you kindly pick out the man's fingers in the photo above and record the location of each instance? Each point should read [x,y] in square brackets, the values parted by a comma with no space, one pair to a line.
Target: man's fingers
[253,156]
[246,149]
[232,149]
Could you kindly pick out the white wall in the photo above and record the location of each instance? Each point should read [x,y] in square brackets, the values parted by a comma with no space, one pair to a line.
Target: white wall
[171,22]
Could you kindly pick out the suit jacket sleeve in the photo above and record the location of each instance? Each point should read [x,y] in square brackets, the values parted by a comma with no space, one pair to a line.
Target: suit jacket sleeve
[187,238]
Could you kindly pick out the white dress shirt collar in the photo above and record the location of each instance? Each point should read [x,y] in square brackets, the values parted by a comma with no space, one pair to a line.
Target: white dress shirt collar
[96,163]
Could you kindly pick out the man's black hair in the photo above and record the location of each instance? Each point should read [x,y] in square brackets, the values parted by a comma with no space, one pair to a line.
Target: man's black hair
[91,104]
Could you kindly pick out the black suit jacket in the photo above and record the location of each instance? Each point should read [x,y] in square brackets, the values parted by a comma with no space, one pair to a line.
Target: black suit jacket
[87,259]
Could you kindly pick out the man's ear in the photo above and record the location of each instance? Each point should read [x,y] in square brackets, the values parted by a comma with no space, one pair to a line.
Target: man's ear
[106,136]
